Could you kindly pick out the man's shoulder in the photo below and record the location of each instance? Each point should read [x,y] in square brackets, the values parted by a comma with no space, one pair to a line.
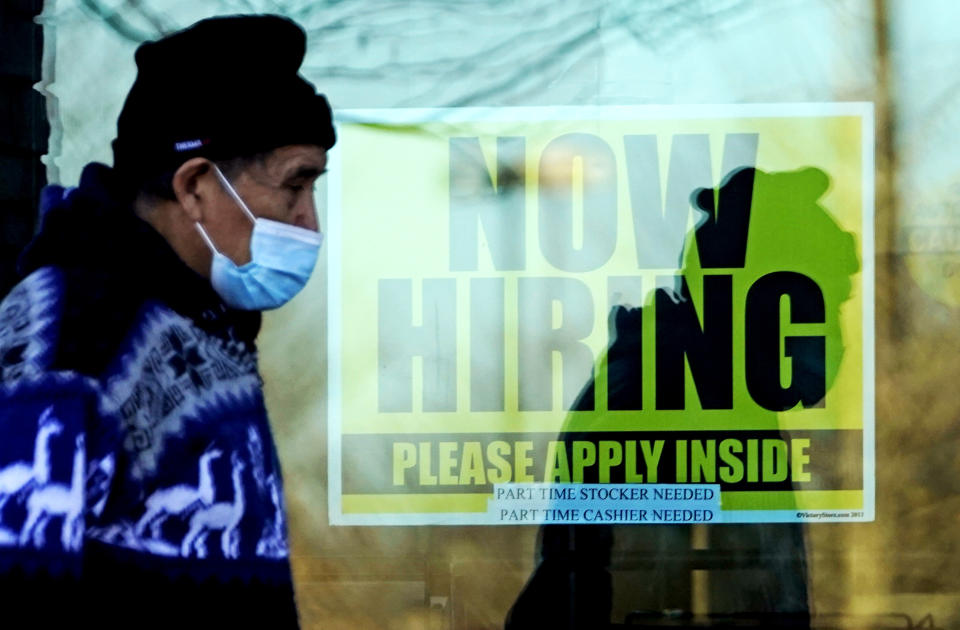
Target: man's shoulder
[63,319]
[30,317]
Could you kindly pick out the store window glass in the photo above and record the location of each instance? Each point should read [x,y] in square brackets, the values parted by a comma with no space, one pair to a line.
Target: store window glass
[633,313]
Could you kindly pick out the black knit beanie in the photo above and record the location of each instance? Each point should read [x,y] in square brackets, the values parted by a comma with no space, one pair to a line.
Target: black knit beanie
[225,87]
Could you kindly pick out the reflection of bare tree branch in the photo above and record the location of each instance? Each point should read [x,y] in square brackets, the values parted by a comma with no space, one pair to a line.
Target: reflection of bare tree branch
[117,22]
[676,20]
[156,21]
[454,53]
[446,67]
[343,13]
[518,54]
[557,54]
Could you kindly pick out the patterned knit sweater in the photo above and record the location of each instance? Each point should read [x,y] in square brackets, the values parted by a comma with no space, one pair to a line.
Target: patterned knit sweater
[139,486]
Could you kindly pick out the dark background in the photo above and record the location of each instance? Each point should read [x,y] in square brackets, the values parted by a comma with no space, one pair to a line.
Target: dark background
[23,130]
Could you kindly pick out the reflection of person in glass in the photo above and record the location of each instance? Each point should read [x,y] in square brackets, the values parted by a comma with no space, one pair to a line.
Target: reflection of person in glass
[775,221]
[138,481]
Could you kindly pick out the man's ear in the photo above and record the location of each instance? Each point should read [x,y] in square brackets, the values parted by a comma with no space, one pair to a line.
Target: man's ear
[191,187]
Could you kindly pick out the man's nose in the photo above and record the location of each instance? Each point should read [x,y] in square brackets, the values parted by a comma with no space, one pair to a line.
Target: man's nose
[306,215]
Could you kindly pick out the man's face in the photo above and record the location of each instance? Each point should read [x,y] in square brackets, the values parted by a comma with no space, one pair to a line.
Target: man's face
[279,188]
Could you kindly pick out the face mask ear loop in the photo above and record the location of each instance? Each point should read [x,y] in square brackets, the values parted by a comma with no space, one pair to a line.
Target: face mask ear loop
[206,238]
[233,194]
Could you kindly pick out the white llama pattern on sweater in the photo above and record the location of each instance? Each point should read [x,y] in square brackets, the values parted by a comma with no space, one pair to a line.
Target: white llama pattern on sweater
[224,517]
[99,477]
[179,499]
[273,537]
[56,499]
[18,477]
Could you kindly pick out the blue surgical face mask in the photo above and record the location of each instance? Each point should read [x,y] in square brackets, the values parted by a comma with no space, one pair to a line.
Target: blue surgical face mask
[282,257]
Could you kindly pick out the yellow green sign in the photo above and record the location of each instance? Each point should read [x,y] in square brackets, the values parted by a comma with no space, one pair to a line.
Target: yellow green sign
[526,303]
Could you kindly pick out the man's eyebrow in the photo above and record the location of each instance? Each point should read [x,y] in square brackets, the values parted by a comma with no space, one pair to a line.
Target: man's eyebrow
[305,172]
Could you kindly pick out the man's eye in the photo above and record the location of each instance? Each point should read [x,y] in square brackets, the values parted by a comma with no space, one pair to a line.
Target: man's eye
[297,188]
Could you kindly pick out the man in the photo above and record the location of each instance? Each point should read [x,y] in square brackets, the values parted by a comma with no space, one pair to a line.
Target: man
[138,481]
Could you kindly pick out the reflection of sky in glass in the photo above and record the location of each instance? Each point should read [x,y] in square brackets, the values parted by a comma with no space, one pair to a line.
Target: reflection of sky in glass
[522,53]
[430,54]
